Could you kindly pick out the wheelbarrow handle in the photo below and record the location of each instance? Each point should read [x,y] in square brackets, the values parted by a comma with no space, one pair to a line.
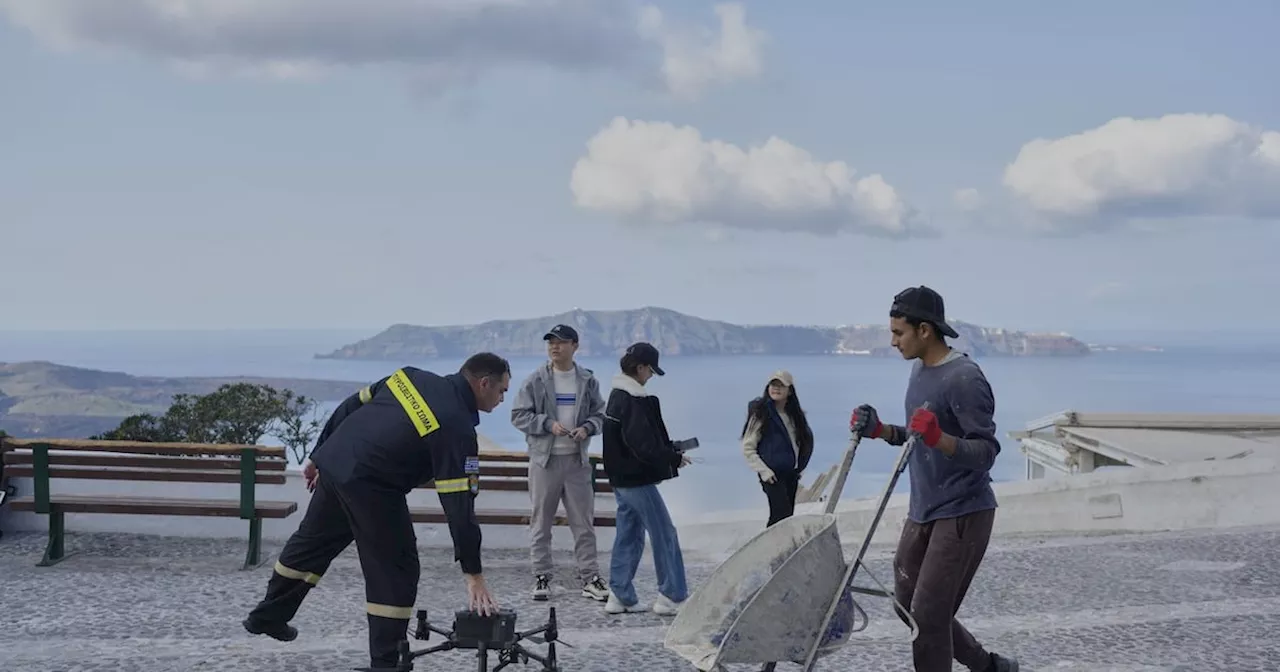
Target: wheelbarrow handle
[903,458]
[843,474]
[846,464]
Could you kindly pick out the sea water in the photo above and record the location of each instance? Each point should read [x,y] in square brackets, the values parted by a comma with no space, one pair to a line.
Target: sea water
[706,397]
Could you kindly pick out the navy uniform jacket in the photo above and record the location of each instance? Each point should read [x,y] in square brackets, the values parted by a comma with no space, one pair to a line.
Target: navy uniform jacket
[404,430]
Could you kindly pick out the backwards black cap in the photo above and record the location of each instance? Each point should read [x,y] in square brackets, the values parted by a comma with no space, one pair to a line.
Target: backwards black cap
[923,304]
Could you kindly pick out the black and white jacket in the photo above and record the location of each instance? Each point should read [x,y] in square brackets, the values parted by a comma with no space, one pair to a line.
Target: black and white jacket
[637,449]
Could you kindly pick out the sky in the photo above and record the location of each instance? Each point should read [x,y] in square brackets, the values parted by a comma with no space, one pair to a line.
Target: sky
[195,164]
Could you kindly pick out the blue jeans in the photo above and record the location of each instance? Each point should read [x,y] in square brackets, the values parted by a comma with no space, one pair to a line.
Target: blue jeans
[642,510]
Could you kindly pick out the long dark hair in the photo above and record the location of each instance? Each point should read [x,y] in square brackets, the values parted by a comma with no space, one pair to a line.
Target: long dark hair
[758,409]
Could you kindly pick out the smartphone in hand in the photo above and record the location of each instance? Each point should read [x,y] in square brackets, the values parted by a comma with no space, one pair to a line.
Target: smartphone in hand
[686,445]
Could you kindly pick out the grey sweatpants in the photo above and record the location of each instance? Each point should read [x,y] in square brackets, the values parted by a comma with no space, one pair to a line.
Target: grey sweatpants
[566,478]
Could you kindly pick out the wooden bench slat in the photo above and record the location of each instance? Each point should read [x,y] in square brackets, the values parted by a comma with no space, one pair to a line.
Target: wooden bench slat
[518,456]
[504,517]
[143,447]
[503,470]
[498,484]
[155,506]
[516,484]
[503,456]
[73,458]
[172,476]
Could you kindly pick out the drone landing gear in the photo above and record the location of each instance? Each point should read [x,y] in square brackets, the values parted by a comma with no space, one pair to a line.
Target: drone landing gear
[484,634]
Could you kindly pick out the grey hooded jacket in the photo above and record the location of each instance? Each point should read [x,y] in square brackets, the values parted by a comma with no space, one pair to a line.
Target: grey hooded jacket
[534,411]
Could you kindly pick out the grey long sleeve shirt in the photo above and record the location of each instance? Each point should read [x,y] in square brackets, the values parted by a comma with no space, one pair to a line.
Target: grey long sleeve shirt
[942,486]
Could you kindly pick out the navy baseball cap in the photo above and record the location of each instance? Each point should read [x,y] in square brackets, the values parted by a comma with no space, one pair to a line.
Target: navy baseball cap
[646,354]
[562,332]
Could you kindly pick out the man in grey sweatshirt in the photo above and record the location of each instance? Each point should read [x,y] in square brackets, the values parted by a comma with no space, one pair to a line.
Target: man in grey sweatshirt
[559,408]
[952,506]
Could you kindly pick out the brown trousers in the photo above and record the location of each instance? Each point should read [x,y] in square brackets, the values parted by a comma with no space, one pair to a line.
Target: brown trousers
[933,567]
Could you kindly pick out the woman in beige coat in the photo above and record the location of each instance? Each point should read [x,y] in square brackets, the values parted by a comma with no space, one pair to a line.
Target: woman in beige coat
[778,443]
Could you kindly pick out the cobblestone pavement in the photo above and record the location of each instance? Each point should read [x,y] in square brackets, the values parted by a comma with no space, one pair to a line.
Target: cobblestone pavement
[1202,601]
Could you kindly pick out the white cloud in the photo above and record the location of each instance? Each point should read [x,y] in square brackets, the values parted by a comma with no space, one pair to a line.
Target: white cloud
[693,61]
[1175,166]
[660,173]
[440,41]
[967,200]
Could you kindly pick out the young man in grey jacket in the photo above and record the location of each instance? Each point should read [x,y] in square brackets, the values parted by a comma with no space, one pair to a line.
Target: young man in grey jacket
[559,408]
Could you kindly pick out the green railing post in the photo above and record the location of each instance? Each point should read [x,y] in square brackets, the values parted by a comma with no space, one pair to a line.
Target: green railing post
[248,477]
[40,471]
[55,550]
[248,505]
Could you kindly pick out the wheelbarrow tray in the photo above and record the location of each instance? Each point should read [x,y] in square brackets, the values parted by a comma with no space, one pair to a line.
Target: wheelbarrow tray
[785,595]
[767,601]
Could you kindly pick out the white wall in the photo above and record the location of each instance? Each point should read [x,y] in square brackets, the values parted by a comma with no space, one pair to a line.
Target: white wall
[294,489]
[1209,494]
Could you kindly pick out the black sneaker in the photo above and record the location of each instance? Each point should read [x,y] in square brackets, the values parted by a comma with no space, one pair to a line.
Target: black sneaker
[1001,664]
[279,631]
[542,587]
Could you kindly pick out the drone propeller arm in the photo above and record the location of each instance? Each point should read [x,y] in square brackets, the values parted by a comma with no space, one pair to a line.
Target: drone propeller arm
[542,660]
[533,631]
[445,646]
[439,631]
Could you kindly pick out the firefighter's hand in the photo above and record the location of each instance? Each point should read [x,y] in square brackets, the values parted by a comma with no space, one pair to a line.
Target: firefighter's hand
[478,598]
[310,473]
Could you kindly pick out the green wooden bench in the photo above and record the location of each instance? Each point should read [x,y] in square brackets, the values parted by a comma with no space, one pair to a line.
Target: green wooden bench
[44,460]
[508,471]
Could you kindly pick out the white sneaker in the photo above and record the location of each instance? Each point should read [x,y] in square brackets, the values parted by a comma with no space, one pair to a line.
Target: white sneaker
[615,606]
[595,589]
[663,606]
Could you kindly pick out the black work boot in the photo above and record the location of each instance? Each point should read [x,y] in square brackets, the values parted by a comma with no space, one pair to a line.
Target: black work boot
[1001,664]
[281,631]
[385,638]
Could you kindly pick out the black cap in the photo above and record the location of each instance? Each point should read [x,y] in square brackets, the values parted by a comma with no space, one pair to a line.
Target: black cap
[923,304]
[646,354]
[563,332]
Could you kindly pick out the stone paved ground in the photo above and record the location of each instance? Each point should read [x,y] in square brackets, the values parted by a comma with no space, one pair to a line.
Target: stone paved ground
[1203,601]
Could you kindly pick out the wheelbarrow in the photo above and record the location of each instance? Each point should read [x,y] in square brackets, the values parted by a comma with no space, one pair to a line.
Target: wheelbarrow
[787,595]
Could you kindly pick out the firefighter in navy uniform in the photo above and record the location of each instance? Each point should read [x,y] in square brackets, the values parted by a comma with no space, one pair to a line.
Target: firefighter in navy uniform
[404,430]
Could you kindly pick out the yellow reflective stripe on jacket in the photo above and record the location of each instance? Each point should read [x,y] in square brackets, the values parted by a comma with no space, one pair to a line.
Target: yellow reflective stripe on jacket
[387,610]
[365,394]
[291,573]
[449,485]
[419,412]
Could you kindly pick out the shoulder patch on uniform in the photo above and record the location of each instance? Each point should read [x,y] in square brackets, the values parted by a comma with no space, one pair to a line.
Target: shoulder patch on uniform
[420,413]
[471,465]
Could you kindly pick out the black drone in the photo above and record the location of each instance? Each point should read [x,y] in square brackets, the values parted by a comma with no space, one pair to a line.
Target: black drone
[484,634]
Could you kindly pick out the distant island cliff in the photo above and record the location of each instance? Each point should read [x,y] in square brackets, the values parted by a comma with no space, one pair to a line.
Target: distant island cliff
[608,332]
[47,399]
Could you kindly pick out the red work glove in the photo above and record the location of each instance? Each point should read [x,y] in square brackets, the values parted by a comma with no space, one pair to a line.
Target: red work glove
[865,420]
[926,423]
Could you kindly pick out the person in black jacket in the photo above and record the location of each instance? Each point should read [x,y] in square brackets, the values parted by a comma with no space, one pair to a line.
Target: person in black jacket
[777,443]
[638,455]
[406,429]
